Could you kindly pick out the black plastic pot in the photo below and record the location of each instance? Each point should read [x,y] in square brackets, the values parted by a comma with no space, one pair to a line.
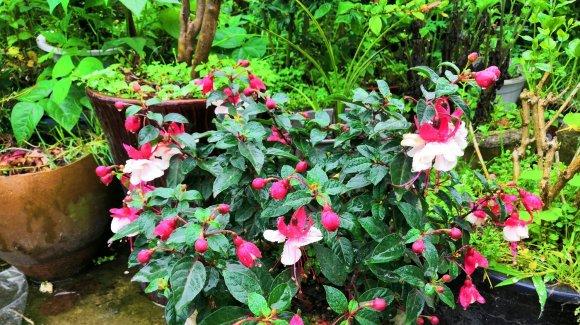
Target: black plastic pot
[513,304]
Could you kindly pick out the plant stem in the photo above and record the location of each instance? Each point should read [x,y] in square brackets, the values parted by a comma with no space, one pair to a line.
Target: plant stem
[478,152]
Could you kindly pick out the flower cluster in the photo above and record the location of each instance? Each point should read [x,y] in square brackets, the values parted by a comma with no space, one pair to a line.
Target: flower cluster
[310,199]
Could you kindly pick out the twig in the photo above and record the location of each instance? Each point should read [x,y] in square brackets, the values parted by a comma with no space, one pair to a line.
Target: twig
[562,107]
[478,152]
[525,138]
[563,178]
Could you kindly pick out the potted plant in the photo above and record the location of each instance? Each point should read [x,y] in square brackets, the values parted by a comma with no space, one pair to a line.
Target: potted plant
[353,223]
[193,48]
[54,211]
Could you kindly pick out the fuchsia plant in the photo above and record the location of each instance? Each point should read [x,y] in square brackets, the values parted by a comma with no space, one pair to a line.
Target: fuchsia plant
[262,213]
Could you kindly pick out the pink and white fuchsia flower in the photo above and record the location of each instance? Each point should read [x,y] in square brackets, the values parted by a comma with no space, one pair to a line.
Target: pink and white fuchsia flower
[515,229]
[122,217]
[441,140]
[147,163]
[299,232]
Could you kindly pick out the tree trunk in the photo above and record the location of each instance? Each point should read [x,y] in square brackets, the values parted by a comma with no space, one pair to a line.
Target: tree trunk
[206,34]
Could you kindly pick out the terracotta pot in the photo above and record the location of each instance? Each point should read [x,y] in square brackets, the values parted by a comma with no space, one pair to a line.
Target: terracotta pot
[113,120]
[52,222]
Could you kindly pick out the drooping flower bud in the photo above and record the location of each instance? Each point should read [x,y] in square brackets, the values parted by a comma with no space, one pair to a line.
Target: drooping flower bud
[271,104]
[446,278]
[206,84]
[107,179]
[420,321]
[434,320]
[329,219]
[244,63]
[439,289]
[201,245]
[246,251]
[136,87]
[455,233]
[378,304]
[103,171]
[301,166]
[144,256]
[248,91]
[487,77]
[472,57]
[259,183]
[296,320]
[256,83]
[223,208]
[119,105]
[132,123]
[418,246]
[279,189]
[165,228]
[530,201]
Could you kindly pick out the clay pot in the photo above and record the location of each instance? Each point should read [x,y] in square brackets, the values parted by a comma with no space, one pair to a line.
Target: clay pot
[113,121]
[52,222]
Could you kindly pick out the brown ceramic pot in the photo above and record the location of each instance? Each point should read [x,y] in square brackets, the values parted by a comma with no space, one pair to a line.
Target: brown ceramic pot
[52,222]
[113,121]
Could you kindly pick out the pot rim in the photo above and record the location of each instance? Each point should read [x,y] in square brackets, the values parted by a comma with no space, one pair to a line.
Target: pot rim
[105,97]
[513,81]
[556,292]
[59,168]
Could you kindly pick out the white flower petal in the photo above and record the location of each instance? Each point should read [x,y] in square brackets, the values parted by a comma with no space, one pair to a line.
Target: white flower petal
[291,254]
[313,235]
[274,236]
[118,223]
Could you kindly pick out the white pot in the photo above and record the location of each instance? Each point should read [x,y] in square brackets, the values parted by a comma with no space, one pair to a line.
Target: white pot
[511,89]
[58,52]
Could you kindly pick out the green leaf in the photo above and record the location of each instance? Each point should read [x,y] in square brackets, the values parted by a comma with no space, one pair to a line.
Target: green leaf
[169,21]
[541,290]
[330,265]
[446,296]
[389,249]
[224,316]
[414,305]
[275,209]
[412,275]
[175,117]
[61,90]
[24,118]
[298,198]
[88,65]
[241,281]
[377,173]
[322,10]
[343,249]
[412,215]
[254,155]
[258,304]
[147,134]
[194,282]
[376,24]
[428,72]
[136,6]
[374,227]
[316,136]
[66,114]
[63,67]
[281,296]
[443,87]
[336,299]
[384,88]
[401,169]
[390,125]
[229,177]
[572,120]
[424,112]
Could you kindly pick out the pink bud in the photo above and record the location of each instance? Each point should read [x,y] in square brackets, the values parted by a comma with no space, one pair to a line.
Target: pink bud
[247,252]
[296,320]
[329,219]
[301,167]
[201,245]
[107,179]
[472,57]
[259,183]
[418,246]
[132,123]
[165,228]
[378,304]
[455,233]
[244,63]
[495,70]
[279,189]
[420,321]
[103,171]
[271,104]
[446,278]
[248,91]
[434,320]
[144,256]
[223,208]
[440,289]
[256,83]
[531,202]
[119,105]
[136,87]
[485,78]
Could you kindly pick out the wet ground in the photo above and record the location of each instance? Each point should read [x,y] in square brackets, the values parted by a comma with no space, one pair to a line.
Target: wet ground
[102,294]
